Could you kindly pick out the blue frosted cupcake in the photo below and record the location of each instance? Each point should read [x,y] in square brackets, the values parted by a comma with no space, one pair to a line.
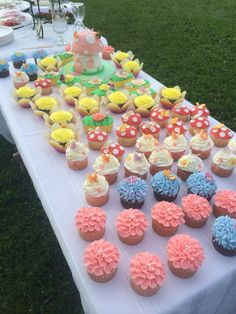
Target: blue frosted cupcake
[31,70]
[4,68]
[18,58]
[166,186]
[224,235]
[39,54]
[201,184]
[133,191]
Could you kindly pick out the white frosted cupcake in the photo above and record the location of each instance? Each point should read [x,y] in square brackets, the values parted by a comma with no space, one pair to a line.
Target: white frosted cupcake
[108,166]
[146,144]
[232,145]
[77,155]
[223,163]
[176,145]
[201,144]
[189,164]
[160,160]
[136,164]
[96,189]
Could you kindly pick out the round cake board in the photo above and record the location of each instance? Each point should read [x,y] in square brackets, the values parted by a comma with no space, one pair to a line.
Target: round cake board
[108,69]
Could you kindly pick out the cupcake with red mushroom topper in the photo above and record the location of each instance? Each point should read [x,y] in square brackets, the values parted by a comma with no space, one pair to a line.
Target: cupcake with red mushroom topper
[223,163]
[114,149]
[150,127]
[146,144]
[107,52]
[160,159]
[108,166]
[96,189]
[132,118]
[177,126]
[131,225]
[200,110]
[45,85]
[136,164]
[146,273]
[221,135]
[197,124]
[181,112]
[201,144]
[96,138]
[171,96]
[160,116]
[225,203]
[196,210]
[176,145]
[189,164]
[185,255]
[126,135]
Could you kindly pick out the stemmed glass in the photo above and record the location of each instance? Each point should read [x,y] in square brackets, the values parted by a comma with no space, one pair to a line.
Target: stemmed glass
[78,11]
[59,23]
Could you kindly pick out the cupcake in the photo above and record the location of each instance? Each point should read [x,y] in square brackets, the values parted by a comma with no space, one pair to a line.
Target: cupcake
[101,260]
[132,118]
[221,135]
[160,159]
[44,105]
[201,184]
[166,218]
[49,64]
[201,144]
[96,189]
[136,164]
[146,273]
[196,210]
[177,126]
[39,54]
[90,222]
[25,95]
[108,166]
[67,79]
[132,66]
[223,163]
[160,116]
[77,155]
[143,104]
[107,52]
[232,145]
[120,56]
[126,135]
[143,91]
[225,203]
[59,138]
[176,145]
[146,144]
[4,69]
[45,85]
[171,96]
[31,70]
[96,138]
[120,78]
[52,76]
[61,117]
[131,225]
[187,165]
[101,90]
[18,58]
[114,149]
[20,79]
[224,235]
[199,110]
[150,127]
[98,120]
[181,112]
[197,124]
[132,191]
[165,186]
[137,83]
[87,105]
[118,102]
[185,255]
[71,94]
[93,84]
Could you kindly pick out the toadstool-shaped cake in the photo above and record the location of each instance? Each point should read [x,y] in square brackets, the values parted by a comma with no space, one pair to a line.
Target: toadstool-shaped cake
[86,46]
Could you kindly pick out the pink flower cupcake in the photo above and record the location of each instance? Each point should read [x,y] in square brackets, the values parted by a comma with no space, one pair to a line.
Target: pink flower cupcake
[166,218]
[185,255]
[146,273]
[199,110]
[182,113]
[131,225]
[149,127]
[160,116]
[101,259]
[177,126]
[196,210]
[91,222]
[225,203]
[132,118]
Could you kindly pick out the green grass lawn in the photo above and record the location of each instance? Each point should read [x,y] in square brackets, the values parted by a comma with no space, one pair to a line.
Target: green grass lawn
[188,43]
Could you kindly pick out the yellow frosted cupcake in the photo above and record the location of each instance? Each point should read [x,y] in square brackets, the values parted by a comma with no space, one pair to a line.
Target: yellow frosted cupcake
[25,95]
[120,56]
[59,137]
[61,117]
[71,93]
[87,105]
[171,96]
[44,105]
[132,66]
[49,64]
[118,102]
[143,104]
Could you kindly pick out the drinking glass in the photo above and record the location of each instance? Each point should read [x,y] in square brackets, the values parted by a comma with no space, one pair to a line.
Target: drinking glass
[59,23]
[78,11]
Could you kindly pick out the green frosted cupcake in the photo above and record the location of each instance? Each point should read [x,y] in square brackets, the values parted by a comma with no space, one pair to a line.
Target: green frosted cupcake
[98,120]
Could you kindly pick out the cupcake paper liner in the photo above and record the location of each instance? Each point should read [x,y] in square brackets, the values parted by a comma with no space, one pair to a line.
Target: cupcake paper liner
[220,171]
[162,230]
[128,204]
[97,200]
[132,240]
[201,154]
[222,250]
[104,277]
[78,164]
[219,211]
[161,197]
[129,173]
[154,169]
[92,235]
[182,273]
[193,223]
[144,292]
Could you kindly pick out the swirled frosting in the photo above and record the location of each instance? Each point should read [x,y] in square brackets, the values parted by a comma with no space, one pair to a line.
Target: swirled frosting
[132,189]
[166,183]
[224,232]
[196,207]
[90,219]
[191,163]
[96,185]
[161,157]
[176,143]
[168,214]
[146,143]
[20,77]
[146,270]
[232,145]
[226,199]
[225,159]
[101,257]
[76,151]
[131,222]
[201,184]
[185,252]
[201,141]
[106,164]
[136,163]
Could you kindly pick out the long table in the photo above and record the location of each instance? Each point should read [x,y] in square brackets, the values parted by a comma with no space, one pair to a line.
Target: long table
[211,290]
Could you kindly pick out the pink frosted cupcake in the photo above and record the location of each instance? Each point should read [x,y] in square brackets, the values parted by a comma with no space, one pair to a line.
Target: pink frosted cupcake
[146,273]
[185,255]
[101,260]
[225,204]
[196,210]
[166,218]
[131,225]
[91,222]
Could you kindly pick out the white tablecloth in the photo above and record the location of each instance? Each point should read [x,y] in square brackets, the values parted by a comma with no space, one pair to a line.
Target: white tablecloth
[212,290]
